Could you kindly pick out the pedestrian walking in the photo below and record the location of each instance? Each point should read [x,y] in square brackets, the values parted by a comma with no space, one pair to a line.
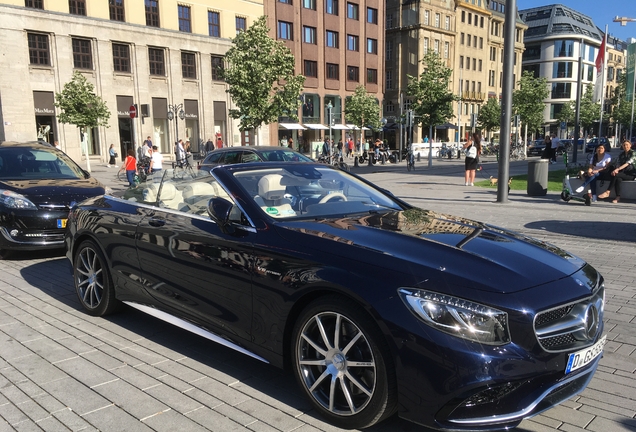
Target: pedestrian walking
[555,145]
[473,150]
[112,161]
[130,165]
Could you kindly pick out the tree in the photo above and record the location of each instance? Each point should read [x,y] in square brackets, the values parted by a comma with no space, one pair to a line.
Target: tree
[80,106]
[362,109]
[621,107]
[431,98]
[528,100]
[490,115]
[567,113]
[260,75]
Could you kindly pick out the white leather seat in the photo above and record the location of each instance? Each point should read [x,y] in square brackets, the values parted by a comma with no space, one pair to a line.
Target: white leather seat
[198,190]
[170,196]
[271,197]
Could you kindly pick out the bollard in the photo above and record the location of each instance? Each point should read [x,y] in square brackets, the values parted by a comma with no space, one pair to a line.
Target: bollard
[383,158]
[370,159]
[418,156]
[355,162]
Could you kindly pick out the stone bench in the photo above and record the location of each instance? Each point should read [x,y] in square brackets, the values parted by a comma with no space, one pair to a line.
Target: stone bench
[628,188]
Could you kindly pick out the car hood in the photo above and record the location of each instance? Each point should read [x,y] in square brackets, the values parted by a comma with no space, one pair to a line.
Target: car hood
[59,191]
[494,259]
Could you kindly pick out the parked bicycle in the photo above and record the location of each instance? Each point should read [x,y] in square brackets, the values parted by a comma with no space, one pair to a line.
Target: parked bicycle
[335,161]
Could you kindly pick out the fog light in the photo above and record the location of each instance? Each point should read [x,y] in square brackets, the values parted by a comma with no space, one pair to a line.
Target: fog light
[14,233]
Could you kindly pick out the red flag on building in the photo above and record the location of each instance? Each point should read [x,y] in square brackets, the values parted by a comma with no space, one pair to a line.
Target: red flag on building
[600,71]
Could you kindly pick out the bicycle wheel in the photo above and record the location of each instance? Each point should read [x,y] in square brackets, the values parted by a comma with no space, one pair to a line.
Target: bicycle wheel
[121,176]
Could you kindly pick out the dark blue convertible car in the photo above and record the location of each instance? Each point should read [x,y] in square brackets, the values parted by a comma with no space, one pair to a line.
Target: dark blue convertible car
[376,306]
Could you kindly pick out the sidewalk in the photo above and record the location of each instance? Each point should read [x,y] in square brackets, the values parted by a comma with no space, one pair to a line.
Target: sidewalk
[61,369]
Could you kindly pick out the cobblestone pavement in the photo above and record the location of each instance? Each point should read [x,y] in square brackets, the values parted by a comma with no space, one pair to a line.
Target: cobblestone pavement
[61,369]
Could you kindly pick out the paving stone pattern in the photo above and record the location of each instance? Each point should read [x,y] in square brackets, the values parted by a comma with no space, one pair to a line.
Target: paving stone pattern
[61,369]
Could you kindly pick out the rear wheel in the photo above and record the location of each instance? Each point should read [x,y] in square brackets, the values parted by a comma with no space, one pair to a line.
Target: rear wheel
[343,364]
[93,283]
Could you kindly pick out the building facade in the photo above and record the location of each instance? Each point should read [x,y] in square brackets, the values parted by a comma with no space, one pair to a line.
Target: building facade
[467,35]
[338,45]
[163,56]
[412,29]
[556,37]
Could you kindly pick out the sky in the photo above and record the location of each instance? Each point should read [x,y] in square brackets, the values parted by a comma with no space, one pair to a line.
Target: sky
[602,13]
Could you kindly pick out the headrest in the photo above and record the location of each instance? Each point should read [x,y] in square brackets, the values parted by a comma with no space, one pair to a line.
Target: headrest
[197,189]
[168,191]
[150,193]
[270,187]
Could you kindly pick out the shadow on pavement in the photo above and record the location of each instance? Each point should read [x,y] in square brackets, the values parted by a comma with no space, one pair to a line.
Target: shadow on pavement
[618,231]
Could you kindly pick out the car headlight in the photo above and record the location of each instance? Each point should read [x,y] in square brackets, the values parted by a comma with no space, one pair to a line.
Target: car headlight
[14,200]
[457,316]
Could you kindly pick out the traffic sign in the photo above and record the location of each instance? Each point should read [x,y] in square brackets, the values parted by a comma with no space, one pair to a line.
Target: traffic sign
[133,111]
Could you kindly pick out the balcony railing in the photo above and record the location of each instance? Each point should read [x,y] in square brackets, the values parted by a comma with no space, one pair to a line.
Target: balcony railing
[471,95]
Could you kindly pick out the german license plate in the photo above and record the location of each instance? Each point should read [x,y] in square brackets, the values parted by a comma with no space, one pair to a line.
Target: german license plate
[61,223]
[584,357]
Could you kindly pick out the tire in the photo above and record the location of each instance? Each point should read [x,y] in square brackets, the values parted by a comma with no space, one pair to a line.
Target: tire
[323,369]
[121,176]
[93,282]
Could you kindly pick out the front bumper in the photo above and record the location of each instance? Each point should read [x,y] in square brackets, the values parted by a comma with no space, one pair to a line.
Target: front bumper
[32,230]
[449,383]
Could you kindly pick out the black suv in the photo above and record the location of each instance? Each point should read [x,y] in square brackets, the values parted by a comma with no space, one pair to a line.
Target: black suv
[591,145]
[233,155]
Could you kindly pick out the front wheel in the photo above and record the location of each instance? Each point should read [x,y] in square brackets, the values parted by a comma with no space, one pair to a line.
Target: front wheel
[343,364]
[93,282]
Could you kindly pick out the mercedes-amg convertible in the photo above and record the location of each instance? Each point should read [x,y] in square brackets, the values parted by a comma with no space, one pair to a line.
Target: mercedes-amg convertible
[376,306]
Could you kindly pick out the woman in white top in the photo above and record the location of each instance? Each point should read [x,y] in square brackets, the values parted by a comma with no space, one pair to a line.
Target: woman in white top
[156,160]
[598,163]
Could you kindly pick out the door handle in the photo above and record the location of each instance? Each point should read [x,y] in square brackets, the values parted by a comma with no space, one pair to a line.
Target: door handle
[156,222]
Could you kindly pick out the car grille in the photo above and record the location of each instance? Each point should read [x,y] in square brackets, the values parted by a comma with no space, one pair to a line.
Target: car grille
[571,326]
[54,207]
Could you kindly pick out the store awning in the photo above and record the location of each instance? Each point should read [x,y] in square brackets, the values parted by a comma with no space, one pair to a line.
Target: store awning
[354,127]
[291,126]
[340,127]
[316,126]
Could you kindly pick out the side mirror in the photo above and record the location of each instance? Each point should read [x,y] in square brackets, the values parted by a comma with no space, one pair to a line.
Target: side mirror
[86,174]
[219,210]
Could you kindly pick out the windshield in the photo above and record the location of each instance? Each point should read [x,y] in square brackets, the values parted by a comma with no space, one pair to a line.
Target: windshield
[18,163]
[310,191]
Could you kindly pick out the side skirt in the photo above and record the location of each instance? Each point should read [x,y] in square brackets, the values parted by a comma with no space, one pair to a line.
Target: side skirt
[192,328]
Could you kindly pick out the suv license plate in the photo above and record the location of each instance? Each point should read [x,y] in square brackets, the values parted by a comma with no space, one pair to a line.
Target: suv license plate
[584,357]
[61,223]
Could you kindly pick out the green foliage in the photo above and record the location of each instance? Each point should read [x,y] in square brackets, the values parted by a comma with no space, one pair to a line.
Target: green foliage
[620,106]
[260,75]
[567,113]
[589,110]
[80,105]
[528,100]
[431,98]
[362,109]
[490,115]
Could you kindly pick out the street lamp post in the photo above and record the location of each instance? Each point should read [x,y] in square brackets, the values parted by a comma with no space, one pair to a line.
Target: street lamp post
[329,108]
[174,111]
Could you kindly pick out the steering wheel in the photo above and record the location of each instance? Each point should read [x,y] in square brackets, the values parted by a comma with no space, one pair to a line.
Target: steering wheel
[331,196]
